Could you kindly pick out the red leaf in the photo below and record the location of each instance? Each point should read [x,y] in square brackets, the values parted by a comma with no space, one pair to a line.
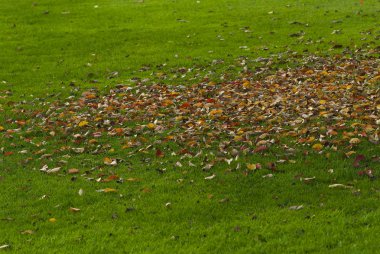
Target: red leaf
[368,172]
[260,149]
[358,159]
[159,153]
[185,105]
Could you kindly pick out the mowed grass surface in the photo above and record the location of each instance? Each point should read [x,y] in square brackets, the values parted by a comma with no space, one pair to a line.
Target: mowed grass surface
[45,46]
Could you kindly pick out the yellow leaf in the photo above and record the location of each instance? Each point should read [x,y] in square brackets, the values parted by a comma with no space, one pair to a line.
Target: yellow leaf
[151,125]
[132,179]
[246,84]
[109,190]
[1,128]
[83,123]
[317,147]
[348,154]
[238,138]
[322,102]
[52,220]
[251,166]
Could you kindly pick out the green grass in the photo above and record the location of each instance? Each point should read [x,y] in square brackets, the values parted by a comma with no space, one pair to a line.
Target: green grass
[51,44]
[47,45]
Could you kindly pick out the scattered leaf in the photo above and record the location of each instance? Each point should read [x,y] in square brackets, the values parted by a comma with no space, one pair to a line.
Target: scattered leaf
[368,172]
[106,190]
[317,147]
[210,177]
[73,171]
[82,123]
[74,210]
[132,179]
[27,232]
[342,186]
[358,159]
[354,141]
[296,207]
[110,162]
[5,246]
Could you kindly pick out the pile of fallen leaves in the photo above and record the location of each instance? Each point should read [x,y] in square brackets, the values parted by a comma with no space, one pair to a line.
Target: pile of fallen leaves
[333,105]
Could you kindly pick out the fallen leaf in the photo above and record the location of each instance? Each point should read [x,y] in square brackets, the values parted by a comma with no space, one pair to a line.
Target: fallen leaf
[73,171]
[132,179]
[151,125]
[53,170]
[111,178]
[27,232]
[368,172]
[338,185]
[210,177]
[307,180]
[52,220]
[354,141]
[296,207]
[317,147]
[358,159]
[5,246]
[260,149]
[44,168]
[224,200]
[110,162]
[251,166]
[159,153]
[74,210]
[106,190]
[82,123]
[78,150]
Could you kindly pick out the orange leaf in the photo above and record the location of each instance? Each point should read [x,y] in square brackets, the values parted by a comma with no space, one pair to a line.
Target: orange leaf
[185,105]
[73,171]
[216,112]
[109,190]
[111,178]
[8,153]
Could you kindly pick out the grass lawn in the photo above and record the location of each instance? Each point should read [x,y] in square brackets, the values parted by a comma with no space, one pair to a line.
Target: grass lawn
[185,126]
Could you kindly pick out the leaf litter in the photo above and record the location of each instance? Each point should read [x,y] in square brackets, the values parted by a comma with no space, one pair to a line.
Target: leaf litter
[327,104]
